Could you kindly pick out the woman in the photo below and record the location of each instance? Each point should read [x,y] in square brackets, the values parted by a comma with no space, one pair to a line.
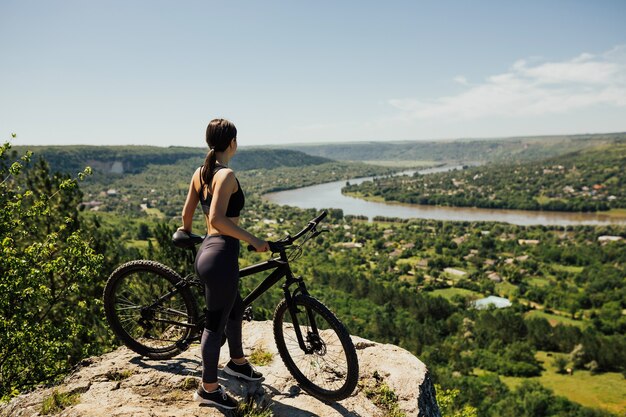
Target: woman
[216,188]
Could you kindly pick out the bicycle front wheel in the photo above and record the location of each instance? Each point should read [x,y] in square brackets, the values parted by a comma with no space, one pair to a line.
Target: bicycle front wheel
[147,311]
[325,364]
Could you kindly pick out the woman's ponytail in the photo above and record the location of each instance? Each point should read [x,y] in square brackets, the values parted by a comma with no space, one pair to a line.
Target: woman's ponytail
[208,169]
[219,135]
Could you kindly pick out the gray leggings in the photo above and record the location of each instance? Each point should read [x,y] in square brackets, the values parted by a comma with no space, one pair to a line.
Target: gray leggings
[217,265]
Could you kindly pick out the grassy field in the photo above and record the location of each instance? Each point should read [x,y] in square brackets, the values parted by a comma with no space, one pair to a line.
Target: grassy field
[448,293]
[539,282]
[155,212]
[505,288]
[139,244]
[413,260]
[607,391]
[620,212]
[567,268]
[555,319]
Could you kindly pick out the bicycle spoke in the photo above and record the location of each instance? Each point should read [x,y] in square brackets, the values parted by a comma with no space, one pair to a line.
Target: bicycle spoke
[173,311]
[141,290]
[128,308]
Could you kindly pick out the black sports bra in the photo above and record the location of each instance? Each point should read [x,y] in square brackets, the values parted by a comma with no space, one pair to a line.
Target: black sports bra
[235,203]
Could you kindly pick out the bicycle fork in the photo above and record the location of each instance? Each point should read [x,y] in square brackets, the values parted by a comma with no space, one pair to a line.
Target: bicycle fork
[312,336]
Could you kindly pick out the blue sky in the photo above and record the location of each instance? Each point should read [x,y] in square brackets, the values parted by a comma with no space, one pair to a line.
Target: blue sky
[155,72]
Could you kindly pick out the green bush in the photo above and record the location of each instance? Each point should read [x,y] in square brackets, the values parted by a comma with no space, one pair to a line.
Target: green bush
[46,266]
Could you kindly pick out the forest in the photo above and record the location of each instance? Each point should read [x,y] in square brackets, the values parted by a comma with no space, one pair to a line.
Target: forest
[592,179]
[411,283]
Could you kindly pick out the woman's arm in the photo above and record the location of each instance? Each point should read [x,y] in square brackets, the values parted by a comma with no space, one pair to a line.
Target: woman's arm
[193,197]
[225,185]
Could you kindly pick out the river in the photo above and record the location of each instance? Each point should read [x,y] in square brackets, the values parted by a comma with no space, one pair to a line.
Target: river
[328,195]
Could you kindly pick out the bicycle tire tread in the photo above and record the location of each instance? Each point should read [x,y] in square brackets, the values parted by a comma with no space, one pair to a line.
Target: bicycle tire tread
[108,298]
[343,335]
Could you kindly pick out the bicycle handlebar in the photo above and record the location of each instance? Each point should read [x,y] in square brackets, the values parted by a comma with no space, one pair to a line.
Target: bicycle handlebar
[183,239]
[288,240]
[311,225]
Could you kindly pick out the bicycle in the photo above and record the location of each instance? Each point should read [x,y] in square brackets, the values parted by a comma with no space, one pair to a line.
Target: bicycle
[153,311]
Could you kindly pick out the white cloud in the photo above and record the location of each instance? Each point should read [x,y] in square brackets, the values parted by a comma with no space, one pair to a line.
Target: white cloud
[531,89]
[461,80]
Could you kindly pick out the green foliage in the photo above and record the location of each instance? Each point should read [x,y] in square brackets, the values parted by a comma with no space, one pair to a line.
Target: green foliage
[515,359]
[45,266]
[383,397]
[560,363]
[188,383]
[251,409]
[58,401]
[261,357]
[531,399]
[165,252]
[449,406]
[118,375]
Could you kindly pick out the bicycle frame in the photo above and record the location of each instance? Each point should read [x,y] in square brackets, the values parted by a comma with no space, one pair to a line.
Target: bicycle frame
[281,269]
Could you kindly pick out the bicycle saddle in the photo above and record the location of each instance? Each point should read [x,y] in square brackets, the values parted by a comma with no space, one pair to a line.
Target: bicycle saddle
[182,239]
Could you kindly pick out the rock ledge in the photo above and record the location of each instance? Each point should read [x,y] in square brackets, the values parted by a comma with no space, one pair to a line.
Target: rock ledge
[121,383]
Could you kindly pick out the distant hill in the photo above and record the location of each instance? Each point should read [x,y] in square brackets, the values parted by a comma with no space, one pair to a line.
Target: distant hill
[125,178]
[463,150]
[135,159]
[259,158]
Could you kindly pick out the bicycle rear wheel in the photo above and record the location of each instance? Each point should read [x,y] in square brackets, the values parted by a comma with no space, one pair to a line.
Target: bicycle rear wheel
[147,311]
[327,367]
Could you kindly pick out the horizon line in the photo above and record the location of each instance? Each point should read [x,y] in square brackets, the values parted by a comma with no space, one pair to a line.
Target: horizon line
[335,143]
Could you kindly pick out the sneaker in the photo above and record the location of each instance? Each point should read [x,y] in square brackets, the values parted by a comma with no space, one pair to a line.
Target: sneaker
[245,371]
[218,398]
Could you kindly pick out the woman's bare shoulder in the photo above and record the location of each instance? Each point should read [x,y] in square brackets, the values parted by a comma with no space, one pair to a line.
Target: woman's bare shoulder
[225,177]
[196,175]
[224,173]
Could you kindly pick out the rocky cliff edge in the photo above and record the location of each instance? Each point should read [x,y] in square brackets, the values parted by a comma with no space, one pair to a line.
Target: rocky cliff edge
[122,383]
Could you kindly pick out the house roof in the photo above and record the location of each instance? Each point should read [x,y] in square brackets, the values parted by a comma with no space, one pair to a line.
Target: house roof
[498,302]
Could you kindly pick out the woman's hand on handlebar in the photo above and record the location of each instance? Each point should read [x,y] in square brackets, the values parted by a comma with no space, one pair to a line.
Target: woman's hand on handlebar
[260,245]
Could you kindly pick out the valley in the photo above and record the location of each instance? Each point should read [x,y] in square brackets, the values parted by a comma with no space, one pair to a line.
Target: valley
[409,282]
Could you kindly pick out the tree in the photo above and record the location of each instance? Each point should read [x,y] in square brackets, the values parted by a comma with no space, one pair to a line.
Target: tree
[529,399]
[143,231]
[45,264]
[540,333]
[560,362]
